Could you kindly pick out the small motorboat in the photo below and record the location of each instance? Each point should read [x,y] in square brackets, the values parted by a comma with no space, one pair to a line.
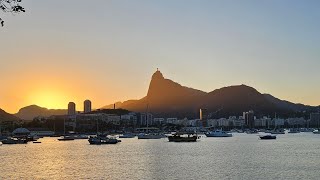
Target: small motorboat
[218,133]
[66,138]
[14,141]
[316,131]
[267,137]
[98,140]
[183,137]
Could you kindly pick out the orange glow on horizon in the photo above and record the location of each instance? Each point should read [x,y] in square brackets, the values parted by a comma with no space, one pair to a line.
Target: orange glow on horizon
[49,99]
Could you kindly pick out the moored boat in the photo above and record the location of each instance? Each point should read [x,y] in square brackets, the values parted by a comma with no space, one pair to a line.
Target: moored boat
[98,140]
[183,137]
[66,138]
[218,133]
[14,141]
[267,137]
[316,131]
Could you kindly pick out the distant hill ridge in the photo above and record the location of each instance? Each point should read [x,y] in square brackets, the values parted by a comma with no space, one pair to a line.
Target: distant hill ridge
[4,116]
[30,112]
[166,97]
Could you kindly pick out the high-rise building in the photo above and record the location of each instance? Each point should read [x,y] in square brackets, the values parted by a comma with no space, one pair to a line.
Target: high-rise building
[204,117]
[87,106]
[71,108]
[146,119]
[249,119]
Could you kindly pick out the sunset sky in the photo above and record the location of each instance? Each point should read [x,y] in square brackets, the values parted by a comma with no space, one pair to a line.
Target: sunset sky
[106,51]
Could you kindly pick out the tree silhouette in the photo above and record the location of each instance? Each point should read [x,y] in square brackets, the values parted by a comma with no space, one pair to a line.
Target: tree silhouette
[10,6]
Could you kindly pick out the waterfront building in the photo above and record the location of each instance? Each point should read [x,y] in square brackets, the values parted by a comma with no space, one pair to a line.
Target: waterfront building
[146,119]
[212,123]
[192,122]
[71,108]
[238,122]
[314,120]
[204,117]
[249,118]
[223,122]
[158,121]
[296,122]
[172,120]
[277,122]
[262,122]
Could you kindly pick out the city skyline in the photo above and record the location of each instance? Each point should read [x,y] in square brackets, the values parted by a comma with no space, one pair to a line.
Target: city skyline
[109,54]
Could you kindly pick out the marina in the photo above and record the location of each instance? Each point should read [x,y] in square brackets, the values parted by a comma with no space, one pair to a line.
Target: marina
[212,158]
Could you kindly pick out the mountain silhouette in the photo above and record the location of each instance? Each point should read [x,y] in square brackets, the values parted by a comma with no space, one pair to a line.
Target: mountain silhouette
[4,116]
[30,112]
[168,98]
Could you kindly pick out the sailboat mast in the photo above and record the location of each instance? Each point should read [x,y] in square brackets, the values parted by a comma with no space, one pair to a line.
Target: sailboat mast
[147,115]
[97,127]
[64,126]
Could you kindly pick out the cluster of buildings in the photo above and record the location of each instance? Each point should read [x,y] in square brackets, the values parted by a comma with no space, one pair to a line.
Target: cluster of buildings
[87,107]
[90,119]
[247,120]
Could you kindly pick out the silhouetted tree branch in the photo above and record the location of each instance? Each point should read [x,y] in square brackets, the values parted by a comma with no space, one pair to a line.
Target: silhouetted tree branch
[10,6]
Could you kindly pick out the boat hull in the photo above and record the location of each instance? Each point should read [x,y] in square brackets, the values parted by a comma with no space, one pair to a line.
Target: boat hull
[268,137]
[10,141]
[66,139]
[149,136]
[219,135]
[182,139]
[99,141]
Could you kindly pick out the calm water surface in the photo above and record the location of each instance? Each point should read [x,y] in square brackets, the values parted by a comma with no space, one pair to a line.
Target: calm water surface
[291,156]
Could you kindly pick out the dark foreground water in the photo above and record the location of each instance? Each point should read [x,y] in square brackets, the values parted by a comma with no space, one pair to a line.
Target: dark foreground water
[291,156]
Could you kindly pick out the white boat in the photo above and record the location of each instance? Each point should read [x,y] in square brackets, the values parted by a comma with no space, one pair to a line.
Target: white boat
[98,140]
[150,136]
[218,133]
[316,131]
[66,138]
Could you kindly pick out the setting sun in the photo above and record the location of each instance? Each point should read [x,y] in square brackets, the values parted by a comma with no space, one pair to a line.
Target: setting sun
[49,99]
